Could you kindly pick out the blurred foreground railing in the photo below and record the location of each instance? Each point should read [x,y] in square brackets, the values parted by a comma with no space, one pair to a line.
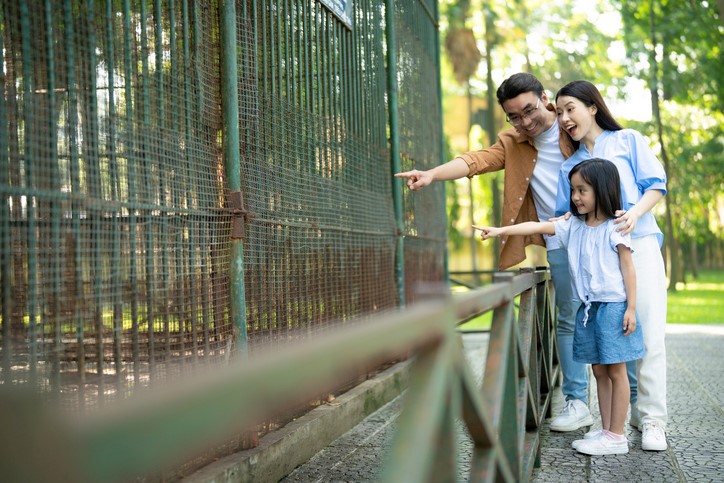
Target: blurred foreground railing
[144,434]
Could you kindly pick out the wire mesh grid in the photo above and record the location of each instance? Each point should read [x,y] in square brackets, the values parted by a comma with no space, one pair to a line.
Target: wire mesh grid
[315,171]
[420,146]
[114,236]
[115,222]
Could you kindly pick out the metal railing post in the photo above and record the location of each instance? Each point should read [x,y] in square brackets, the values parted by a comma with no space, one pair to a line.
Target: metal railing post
[393,102]
[232,165]
[446,261]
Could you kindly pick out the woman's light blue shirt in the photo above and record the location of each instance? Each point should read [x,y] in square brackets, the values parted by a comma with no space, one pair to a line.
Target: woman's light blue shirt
[639,169]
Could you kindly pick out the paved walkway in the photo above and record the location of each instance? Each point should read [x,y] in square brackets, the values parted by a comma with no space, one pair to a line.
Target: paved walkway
[695,431]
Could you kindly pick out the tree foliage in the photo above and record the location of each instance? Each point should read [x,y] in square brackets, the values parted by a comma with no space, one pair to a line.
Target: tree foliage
[691,43]
[562,40]
[676,47]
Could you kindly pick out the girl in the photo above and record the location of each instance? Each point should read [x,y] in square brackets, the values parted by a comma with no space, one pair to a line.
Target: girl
[605,283]
[585,117]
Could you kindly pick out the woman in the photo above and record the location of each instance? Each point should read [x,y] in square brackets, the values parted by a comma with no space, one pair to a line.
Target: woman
[585,117]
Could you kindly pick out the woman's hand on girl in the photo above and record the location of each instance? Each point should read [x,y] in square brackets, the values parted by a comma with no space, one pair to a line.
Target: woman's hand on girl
[565,216]
[627,221]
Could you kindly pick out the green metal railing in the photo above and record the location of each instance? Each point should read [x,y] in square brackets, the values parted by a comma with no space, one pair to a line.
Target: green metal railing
[503,417]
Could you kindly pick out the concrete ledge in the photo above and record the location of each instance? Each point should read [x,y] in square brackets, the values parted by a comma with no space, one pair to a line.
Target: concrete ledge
[283,450]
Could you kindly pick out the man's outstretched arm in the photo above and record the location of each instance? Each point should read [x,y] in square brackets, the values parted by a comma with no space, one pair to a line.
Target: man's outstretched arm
[454,169]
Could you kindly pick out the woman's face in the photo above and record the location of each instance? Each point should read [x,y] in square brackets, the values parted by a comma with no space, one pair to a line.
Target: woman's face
[575,117]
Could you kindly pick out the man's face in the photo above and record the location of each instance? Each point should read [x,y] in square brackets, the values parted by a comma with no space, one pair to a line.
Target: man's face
[528,114]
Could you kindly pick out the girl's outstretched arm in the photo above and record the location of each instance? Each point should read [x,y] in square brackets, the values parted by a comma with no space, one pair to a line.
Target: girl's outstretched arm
[629,282]
[527,228]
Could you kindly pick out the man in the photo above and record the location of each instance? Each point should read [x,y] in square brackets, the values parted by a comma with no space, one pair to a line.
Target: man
[531,154]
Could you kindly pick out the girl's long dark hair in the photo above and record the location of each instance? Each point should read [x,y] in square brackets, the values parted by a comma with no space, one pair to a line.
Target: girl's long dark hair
[603,176]
[589,95]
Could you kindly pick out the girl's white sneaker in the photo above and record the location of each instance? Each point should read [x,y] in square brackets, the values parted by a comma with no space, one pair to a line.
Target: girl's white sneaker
[603,445]
[594,433]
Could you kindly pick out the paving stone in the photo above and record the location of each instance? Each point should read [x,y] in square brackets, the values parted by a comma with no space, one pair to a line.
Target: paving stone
[695,366]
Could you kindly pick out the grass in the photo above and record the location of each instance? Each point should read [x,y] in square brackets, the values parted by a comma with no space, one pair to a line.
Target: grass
[478,323]
[699,301]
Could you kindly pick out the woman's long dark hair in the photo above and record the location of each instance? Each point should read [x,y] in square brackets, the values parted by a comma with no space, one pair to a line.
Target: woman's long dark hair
[589,95]
[603,176]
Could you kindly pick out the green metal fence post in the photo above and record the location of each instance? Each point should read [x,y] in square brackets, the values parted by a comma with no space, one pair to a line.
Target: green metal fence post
[232,165]
[392,99]
[446,265]
[5,243]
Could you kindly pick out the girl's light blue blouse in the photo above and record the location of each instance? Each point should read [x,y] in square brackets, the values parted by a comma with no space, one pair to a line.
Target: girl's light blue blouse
[639,168]
[593,259]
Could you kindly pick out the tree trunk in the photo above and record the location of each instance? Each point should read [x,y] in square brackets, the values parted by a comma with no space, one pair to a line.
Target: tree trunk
[473,238]
[490,129]
[673,255]
[694,256]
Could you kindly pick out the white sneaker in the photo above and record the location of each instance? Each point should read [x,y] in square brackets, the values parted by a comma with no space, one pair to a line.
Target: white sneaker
[635,419]
[653,437]
[575,414]
[603,445]
[594,433]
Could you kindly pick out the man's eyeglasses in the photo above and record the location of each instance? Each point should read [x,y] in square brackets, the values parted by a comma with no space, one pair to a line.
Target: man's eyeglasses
[516,119]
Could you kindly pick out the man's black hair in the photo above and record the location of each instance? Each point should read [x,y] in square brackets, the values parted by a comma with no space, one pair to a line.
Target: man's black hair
[517,84]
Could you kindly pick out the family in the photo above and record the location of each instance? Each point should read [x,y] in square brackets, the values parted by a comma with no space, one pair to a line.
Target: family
[581,185]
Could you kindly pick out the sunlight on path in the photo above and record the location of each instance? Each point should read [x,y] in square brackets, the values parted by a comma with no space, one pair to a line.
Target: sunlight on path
[695,329]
